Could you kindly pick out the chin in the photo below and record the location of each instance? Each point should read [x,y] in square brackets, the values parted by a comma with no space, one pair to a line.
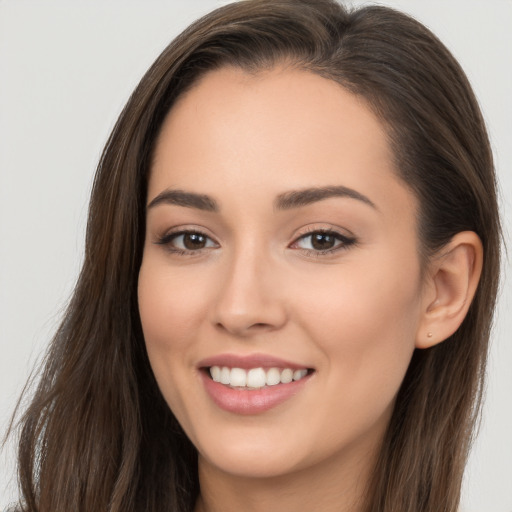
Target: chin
[250,465]
[252,455]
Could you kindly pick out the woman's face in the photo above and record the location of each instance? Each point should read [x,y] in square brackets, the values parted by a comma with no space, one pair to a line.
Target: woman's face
[280,244]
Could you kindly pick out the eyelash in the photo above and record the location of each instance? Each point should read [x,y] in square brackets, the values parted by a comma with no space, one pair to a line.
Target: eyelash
[344,242]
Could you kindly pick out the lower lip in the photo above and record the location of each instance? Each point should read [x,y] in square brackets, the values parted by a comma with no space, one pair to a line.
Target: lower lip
[254,401]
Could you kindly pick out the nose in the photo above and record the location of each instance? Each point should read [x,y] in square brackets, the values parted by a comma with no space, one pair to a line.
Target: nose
[250,298]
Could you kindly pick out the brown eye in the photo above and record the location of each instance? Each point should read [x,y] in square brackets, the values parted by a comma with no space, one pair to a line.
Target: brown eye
[321,242]
[187,242]
[194,241]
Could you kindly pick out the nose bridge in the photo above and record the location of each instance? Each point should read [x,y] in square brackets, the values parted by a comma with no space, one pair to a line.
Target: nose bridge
[249,299]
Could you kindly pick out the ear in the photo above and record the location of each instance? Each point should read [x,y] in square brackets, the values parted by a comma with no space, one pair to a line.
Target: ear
[452,280]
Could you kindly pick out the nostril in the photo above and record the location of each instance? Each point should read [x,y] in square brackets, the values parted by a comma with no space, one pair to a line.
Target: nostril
[235,328]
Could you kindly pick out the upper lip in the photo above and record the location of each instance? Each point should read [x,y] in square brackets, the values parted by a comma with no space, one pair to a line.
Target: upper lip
[249,361]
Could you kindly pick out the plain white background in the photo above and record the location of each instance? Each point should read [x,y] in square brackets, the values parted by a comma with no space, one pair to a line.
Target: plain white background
[66,70]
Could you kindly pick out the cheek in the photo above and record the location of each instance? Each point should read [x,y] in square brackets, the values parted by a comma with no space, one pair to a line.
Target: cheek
[365,325]
[373,298]
[170,307]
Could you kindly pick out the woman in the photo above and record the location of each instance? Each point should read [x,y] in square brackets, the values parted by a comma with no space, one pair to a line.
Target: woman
[291,265]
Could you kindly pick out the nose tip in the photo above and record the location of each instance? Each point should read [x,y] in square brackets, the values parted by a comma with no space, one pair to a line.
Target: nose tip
[244,313]
[249,302]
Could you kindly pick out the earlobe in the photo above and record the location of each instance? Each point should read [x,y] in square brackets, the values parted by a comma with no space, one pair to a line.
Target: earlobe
[452,283]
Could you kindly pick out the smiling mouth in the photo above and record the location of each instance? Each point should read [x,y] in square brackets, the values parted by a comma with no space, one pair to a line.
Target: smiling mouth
[255,378]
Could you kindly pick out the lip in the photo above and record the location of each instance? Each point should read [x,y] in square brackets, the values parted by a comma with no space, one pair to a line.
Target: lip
[256,401]
[250,361]
[245,401]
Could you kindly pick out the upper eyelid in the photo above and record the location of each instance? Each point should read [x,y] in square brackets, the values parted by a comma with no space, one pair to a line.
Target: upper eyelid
[308,231]
[171,235]
[329,229]
[180,230]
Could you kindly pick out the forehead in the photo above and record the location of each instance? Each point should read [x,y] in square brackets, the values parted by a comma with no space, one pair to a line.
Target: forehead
[282,106]
[269,132]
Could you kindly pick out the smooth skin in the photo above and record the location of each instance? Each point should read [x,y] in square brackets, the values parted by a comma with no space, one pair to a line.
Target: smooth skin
[248,278]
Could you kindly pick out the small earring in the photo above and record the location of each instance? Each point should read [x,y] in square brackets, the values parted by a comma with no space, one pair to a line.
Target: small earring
[429,335]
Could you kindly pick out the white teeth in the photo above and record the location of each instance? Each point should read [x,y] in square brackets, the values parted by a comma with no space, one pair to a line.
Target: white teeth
[298,374]
[255,378]
[215,373]
[273,377]
[238,377]
[225,375]
[286,376]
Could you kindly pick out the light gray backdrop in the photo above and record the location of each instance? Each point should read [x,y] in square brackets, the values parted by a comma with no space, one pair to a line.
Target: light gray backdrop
[67,68]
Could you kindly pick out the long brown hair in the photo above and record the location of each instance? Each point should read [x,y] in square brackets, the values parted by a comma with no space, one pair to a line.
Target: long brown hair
[98,435]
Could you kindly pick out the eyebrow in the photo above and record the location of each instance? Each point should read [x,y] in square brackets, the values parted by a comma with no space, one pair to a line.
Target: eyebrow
[298,198]
[286,201]
[187,199]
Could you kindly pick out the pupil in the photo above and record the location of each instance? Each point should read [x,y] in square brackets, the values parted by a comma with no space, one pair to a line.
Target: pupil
[323,241]
[194,241]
